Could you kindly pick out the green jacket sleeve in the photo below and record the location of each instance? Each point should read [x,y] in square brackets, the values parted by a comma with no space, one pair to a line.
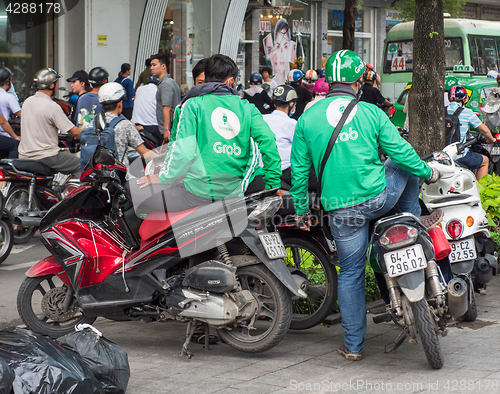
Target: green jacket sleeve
[184,149]
[175,124]
[266,140]
[399,150]
[300,163]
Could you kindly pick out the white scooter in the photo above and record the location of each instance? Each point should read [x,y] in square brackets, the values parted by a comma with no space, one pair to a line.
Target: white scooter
[473,256]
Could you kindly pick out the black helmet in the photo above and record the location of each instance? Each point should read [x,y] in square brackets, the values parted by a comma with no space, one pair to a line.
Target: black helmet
[5,75]
[284,94]
[44,77]
[255,79]
[97,76]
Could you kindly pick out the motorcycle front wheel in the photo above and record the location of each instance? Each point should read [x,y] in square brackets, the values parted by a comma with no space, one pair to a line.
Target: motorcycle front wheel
[273,315]
[38,304]
[322,282]
[6,239]
[426,330]
[17,203]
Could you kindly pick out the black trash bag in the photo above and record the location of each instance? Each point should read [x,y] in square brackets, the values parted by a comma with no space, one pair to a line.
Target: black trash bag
[41,366]
[6,377]
[107,360]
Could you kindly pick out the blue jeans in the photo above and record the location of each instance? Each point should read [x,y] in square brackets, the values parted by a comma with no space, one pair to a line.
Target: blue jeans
[350,229]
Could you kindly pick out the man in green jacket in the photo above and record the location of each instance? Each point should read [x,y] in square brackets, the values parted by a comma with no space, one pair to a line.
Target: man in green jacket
[215,141]
[356,186]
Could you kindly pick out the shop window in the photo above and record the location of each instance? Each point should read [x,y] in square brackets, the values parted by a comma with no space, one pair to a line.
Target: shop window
[22,50]
[186,38]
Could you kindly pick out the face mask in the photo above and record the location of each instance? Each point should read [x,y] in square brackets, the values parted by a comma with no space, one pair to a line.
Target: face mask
[292,111]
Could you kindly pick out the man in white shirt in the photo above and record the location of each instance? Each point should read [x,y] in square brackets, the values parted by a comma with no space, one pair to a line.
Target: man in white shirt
[144,115]
[279,121]
[8,104]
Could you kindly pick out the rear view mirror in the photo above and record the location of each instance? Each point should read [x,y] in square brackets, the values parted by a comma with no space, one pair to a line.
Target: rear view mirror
[100,122]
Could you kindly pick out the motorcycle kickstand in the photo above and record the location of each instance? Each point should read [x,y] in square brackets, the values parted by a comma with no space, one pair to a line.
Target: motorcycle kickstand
[401,338]
[191,328]
[207,335]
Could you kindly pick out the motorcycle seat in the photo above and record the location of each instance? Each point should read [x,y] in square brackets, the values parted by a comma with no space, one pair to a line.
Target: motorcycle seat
[33,167]
[157,222]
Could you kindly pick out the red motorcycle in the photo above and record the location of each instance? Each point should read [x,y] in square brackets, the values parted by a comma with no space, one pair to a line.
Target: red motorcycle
[217,264]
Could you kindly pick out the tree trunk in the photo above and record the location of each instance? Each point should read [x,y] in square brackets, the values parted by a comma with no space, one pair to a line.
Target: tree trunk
[349,24]
[426,104]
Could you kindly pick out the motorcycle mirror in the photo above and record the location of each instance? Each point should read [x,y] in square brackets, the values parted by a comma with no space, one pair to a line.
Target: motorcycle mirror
[100,122]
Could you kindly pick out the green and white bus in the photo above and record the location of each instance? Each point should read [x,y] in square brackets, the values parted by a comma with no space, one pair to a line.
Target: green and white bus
[467,42]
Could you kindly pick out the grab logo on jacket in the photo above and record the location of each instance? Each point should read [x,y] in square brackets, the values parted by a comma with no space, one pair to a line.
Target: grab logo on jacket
[225,123]
[336,109]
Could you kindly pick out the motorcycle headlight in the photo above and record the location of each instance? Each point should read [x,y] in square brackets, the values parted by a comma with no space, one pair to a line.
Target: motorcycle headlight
[265,209]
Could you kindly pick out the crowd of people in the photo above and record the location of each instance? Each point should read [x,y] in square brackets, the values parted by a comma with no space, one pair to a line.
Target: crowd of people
[221,145]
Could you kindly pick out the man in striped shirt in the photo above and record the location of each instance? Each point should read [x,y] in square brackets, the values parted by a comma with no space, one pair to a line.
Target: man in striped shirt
[472,160]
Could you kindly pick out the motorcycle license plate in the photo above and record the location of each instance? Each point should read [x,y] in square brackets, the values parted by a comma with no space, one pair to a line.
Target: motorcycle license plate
[273,245]
[462,250]
[495,150]
[4,188]
[404,261]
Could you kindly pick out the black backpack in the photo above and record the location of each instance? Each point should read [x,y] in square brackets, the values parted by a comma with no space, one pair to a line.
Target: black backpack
[452,126]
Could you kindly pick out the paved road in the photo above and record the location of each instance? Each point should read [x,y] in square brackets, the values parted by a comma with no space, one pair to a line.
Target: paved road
[304,362]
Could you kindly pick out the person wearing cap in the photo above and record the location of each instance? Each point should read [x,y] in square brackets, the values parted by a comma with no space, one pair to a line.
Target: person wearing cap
[79,86]
[8,106]
[355,186]
[458,98]
[144,115]
[88,105]
[41,123]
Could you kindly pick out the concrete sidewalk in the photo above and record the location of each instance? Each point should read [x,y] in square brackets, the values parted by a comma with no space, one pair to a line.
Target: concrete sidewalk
[307,361]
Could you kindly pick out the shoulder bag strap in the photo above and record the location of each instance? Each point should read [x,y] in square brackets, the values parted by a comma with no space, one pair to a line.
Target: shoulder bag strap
[329,148]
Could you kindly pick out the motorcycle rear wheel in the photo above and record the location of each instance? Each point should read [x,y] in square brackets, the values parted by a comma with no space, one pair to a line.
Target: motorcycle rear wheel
[6,239]
[273,317]
[322,277]
[426,330]
[41,296]
[18,201]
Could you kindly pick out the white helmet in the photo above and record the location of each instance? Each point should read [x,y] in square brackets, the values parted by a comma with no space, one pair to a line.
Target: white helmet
[111,92]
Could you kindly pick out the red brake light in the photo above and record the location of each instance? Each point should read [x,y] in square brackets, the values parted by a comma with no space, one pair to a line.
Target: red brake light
[455,228]
[497,137]
[398,236]
[1,175]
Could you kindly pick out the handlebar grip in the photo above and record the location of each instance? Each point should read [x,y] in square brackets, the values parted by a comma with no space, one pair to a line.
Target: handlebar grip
[427,156]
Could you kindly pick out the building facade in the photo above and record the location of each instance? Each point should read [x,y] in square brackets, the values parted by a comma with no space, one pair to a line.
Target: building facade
[279,34]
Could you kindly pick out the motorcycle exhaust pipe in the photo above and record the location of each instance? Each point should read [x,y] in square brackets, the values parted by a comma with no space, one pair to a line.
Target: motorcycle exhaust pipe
[457,297]
[28,221]
[483,272]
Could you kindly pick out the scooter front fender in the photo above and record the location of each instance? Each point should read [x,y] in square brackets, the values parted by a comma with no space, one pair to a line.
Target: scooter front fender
[413,285]
[48,266]
[277,266]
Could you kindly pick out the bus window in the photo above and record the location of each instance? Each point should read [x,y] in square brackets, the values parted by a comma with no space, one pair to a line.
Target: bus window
[399,55]
[490,54]
[484,54]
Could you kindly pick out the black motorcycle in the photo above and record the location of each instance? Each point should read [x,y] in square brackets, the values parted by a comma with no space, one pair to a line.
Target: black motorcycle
[30,189]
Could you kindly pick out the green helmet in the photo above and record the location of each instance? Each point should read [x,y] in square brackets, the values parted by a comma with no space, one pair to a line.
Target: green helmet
[344,67]
[450,81]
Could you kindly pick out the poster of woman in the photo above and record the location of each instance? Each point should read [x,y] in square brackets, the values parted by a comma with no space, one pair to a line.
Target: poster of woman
[282,53]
